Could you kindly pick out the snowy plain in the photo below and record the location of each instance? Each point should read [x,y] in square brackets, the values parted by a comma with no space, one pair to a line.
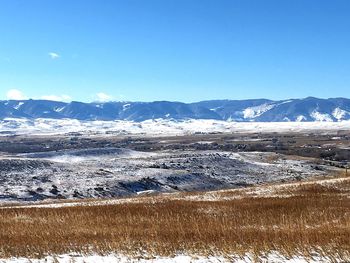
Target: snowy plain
[10,126]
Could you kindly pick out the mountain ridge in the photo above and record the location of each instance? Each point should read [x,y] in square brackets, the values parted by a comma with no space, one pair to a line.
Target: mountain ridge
[258,110]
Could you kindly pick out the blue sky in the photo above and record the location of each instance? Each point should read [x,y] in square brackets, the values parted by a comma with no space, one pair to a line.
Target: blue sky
[179,50]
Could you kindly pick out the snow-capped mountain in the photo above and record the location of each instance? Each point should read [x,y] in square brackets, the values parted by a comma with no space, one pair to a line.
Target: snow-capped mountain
[259,110]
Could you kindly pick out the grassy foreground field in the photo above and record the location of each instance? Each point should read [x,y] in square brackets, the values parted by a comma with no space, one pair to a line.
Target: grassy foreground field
[294,219]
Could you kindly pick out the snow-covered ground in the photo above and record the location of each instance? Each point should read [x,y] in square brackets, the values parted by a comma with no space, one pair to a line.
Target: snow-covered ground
[262,191]
[115,172]
[274,257]
[10,126]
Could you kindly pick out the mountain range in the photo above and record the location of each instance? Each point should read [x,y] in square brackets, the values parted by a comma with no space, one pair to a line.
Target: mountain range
[258,110]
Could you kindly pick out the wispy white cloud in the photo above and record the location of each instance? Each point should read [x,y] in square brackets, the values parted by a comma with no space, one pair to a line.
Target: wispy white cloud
[103,97]
[56,97]
[15,94]
[54,55]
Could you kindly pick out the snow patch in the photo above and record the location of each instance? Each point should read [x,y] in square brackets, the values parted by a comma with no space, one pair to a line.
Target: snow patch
[215,109]
[300,118]
[253,112]
[18,105]
[274,256]
[340,114]
[146,192]
[59,109]
[322,117]
[126,106]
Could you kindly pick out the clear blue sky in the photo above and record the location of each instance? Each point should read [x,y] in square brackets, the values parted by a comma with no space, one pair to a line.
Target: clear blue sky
[184,50]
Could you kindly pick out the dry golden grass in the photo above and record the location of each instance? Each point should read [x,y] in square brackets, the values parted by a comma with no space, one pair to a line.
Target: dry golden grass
[306,222]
